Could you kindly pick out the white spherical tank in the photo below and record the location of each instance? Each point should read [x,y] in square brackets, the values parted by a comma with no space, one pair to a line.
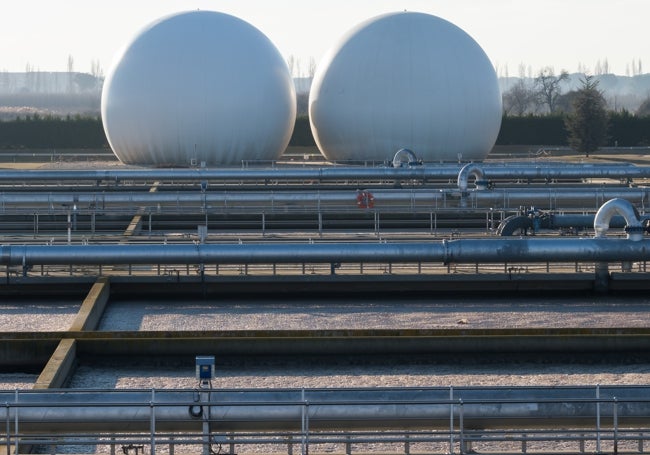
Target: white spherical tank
[405,80]
[195,87]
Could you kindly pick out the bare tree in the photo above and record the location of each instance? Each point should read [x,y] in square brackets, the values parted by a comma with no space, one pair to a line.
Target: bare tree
[96,69]
[548,86]
[70,71]
[311,70]
[519,99]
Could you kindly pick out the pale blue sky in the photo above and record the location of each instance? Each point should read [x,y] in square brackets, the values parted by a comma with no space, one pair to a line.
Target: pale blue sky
[537,33]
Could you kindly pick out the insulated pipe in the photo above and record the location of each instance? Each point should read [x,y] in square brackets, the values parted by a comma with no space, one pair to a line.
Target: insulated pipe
[384,199]
[621,207]
[79,411]
[404,153]
[471,169]
[497,250]
[547,171]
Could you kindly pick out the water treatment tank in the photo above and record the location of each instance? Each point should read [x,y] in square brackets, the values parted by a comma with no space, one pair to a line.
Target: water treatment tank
[198,86]
[405,80]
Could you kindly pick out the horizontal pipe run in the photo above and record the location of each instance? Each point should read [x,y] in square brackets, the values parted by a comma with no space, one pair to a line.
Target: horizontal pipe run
[498,250]
[383,199]
[522,170]
[342,409]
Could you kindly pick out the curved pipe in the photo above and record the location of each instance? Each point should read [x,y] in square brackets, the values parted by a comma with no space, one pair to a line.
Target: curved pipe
[497,250]
[74,411]
[404,153]
[471,169]
[634,227]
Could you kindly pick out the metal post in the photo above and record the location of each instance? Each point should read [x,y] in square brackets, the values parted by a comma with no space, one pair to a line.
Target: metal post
[615,416]
[205,398]
[152,411]
[320,223]
[8,429]
[16,424]
[263,224]
[376,223]
[460,426]
[305,425]
[451,420]
[598,418]
[69,228]
[582,443]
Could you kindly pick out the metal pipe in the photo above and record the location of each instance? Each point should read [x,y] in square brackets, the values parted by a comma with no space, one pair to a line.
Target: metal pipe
[522,170]
[77,411]
[634,227]
[411,159]
[471,169]
[497,250]
[384,199]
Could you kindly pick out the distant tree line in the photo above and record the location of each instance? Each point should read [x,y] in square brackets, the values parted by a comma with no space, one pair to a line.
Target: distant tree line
[47,132]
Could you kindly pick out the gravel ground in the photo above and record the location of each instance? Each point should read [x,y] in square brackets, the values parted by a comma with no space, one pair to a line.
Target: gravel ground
[37,315]
[232,314]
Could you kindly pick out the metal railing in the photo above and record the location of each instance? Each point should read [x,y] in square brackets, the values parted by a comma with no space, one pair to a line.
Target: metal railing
[137,422]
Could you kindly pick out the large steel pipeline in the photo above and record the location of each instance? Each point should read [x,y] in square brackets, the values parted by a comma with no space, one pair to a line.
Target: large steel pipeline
[76,411]
[496,250]
[383,199]
[521,170]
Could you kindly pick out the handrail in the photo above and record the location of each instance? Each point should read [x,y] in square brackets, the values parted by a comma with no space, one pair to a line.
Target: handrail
[457,415]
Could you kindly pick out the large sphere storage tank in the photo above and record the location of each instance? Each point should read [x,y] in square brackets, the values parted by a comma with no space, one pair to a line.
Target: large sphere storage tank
[405,80]
[195,87]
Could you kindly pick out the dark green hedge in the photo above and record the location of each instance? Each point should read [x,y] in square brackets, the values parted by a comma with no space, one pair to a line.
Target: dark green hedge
[530,129]
[87,132]
[52,132]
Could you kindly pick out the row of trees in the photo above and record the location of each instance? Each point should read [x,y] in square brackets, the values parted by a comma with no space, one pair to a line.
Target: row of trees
[622,129]
[543,94]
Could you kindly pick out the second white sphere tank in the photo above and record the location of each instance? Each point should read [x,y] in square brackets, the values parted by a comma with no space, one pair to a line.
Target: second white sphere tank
[405,80]
[199,86]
